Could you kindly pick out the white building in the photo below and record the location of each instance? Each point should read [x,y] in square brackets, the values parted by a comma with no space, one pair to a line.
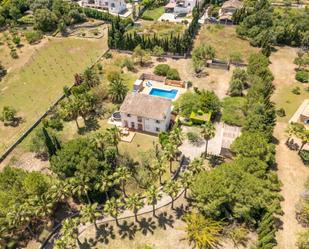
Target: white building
[113,6]
[228,9]
[180,6]
[146,113]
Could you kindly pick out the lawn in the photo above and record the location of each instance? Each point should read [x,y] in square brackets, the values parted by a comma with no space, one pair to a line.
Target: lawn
[153,14]
[32,87]
[161,29]
[289,101]
[225,41]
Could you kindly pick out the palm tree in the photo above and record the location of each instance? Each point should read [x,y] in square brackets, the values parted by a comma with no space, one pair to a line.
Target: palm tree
[117,90]
[203,232]
[105,182]
[90,78]
[208,132]
[60,191]
[176,136]
[196,165]
[80,186]
[294,129]
[114,136]
[121,175]
[159,168]
[170,152]
[44,205]
[134,203]
[186,180]
[20,217]
[153,196]
[90,213]
[304,136]
[69,233]
[113,207]
[172,189]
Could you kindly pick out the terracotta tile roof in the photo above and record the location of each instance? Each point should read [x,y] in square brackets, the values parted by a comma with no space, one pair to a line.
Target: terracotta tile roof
[147,106]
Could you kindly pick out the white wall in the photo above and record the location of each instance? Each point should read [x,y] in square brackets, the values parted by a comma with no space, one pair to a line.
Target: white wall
[149,125]
[114,6]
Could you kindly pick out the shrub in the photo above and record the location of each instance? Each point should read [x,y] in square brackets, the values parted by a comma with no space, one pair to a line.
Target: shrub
[296,90]
[16,40]
[14,54]
[33,36]
[281,112]
[303,240]
[108,55]
[167,71]
[304,155]
[233,113]
[193,137]
[100,67]
[173,74]
[162,69]
[302,76]
[128,63]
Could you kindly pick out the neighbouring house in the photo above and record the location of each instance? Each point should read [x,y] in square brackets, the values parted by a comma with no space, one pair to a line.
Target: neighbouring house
[302,113]
[227,11]
[113,6]
[180,6]
[147,113]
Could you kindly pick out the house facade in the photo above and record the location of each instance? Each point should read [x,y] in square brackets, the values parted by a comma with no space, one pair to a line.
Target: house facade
[147,113]
[228,9]
[113,6]
[180,6]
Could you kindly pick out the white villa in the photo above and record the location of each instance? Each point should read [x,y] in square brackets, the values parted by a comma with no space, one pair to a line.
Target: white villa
[147,113]
[113,6]
[180,6]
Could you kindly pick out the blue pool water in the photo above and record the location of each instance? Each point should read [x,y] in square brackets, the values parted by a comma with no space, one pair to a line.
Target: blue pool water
[168,94]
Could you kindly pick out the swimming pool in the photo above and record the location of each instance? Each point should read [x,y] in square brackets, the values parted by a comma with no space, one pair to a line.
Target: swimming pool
[168,94]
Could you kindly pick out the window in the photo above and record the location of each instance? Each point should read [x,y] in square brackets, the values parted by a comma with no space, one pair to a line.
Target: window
[157,129]
[139,119]
[132,125]
[128,115]
[113,5]
[158,121]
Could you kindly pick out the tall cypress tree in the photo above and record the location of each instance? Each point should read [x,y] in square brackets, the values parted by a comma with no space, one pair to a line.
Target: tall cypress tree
[49,143]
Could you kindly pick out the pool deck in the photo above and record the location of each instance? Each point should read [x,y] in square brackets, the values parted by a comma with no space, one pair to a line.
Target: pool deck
[160,85]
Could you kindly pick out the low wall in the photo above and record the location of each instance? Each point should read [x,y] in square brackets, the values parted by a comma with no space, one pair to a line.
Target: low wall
[153,77]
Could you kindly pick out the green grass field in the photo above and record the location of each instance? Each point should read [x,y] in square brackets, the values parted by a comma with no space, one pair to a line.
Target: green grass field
[289,101]
[225,41]
[39,82]
[153,14]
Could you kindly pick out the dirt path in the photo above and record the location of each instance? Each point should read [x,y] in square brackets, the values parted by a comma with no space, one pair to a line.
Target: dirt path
[291,171]
[293,174]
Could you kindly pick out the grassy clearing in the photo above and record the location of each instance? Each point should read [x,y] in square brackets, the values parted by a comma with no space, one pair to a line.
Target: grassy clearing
[35,85]
[160,29]
[225,41]
[153,14]
[289,101]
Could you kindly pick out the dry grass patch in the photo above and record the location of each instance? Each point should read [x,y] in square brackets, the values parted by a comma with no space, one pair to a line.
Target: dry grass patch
[160,29]
[225,41]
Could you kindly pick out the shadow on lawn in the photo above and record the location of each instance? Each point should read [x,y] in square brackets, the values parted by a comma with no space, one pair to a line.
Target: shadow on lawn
[127,230]
[91,124]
